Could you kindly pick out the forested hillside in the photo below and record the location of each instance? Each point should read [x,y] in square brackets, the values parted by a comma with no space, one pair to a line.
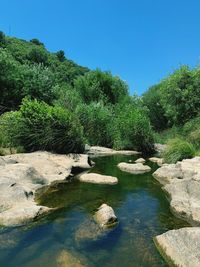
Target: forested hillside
[49,102]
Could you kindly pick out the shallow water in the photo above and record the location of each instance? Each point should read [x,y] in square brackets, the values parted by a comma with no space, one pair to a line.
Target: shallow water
[138,201]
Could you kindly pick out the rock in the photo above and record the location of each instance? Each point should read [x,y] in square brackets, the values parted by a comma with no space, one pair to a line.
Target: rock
[104,151]
[137,168]
[23,174]
[159,161]
[180,247]
[105,216]
[160,148]
[182,184]
[140,160]
[167,173]
[95,178]
[67,259]
[88,231]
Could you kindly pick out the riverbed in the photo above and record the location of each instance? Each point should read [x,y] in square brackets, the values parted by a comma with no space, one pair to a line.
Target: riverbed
[138,201]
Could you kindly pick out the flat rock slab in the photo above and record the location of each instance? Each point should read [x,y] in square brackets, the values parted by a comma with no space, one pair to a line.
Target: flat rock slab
[159,161]
[22,174]
[104,151]
[180,247]
[96,178]
[140,160]
[137,168]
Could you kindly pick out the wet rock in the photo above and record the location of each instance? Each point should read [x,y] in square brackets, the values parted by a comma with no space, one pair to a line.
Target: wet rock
[159,161]
[180,247]
[67,259]
[97,178]
[104,151]
[140,160]
[137,168]
[105,216]
[88,231]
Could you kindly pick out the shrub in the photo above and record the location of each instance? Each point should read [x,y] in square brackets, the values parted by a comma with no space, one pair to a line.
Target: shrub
[97,86]
[38,126]
[177,150]
[38,55]
[96,119]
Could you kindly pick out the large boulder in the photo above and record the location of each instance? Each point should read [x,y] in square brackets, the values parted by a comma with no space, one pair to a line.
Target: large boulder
[104,151]
[22,174]
[137,168]
[180,247]
[182,184]
[105,216]
[96,178]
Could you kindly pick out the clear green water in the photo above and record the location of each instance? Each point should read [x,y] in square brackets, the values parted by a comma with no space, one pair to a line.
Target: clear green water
[138,201]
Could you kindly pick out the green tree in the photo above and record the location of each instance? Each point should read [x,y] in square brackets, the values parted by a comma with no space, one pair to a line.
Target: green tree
[101,86]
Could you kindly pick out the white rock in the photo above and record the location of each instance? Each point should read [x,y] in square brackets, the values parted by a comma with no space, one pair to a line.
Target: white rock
[137,168]
[159,161]
[105,216]
[97,178]
[182,184]
[104,151]
[180,247]
[140,160]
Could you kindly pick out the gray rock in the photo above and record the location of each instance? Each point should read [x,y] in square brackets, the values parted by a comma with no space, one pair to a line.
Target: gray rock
[137,168]
[180,247]
[97,178]
[105,216]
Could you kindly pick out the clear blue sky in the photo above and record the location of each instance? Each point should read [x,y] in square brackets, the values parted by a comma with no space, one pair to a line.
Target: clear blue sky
[139,40]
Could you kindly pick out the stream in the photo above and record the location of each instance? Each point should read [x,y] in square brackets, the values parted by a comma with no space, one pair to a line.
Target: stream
[138,201]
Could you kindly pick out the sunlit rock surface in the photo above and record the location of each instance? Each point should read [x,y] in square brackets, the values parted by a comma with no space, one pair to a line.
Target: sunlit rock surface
[95,178]
[136,168]
[22,174]
[180,247]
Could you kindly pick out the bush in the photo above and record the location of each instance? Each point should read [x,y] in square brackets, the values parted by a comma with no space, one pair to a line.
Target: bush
[96,119]
[97,86]
[177,150]
[38,126]
[133,127]
[38,55]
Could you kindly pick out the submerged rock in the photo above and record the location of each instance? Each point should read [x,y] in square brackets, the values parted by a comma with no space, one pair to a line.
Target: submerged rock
[180,247]
[140,160]
[104,151]
[105,216]
[137,168]
[88,231]
[67,259]
[97,178]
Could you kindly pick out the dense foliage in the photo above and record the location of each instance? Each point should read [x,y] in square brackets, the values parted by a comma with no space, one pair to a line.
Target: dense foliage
[176,99]
[54,104]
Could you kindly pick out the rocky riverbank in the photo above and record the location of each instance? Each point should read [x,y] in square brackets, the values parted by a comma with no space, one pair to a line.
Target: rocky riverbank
[181,182]
[21,176]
